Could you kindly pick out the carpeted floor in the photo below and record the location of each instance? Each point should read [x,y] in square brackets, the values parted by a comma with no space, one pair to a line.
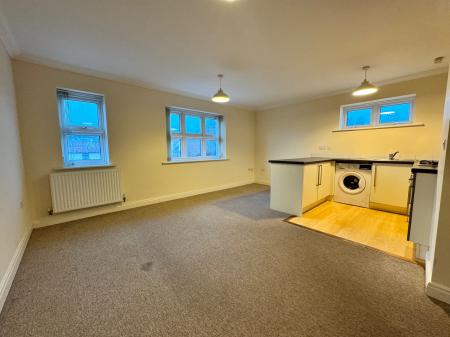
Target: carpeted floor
[220,264]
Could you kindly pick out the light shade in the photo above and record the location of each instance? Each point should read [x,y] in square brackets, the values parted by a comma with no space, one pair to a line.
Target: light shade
[366,88]
[220,97]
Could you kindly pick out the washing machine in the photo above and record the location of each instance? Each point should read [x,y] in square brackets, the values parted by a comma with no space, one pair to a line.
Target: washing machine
[352,183]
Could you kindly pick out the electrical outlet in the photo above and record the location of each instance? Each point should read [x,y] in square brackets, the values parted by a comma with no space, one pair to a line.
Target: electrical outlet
[21,204]
[250,169]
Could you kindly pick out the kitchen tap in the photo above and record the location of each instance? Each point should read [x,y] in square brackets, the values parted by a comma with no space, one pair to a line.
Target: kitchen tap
[392,155]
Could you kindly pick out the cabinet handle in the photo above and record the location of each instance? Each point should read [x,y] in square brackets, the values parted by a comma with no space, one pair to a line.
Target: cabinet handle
[320,177]
[374,175]
[410,194]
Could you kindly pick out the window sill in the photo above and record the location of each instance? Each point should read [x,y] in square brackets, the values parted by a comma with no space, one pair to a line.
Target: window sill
[189,161]
[391,126]
[93,167]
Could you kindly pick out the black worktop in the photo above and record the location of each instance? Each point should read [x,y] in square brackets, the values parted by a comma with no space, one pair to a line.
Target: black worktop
[300,161]
[424,169]
[314,160]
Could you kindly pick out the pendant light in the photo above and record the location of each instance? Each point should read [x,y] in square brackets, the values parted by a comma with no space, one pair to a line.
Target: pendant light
[366,88]
[220,96]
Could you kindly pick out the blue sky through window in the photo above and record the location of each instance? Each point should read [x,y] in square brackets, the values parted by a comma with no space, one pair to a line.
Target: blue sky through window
[193,124]
[212,126]
[358,117]
[175,123]
[81,114]
[395,113]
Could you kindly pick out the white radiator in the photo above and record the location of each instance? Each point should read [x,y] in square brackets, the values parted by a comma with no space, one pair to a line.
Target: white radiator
[72,190]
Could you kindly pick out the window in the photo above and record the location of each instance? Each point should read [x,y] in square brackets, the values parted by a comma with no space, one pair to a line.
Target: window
[395,113]
[358,117]
[384,112]
[194,135]
[82,120]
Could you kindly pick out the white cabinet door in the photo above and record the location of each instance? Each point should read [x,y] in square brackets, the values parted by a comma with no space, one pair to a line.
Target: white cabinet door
[310,182]
[326,176]
[390,183]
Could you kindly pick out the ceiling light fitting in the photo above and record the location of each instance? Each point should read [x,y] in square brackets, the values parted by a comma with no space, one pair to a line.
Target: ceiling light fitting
[366,88]
[220,96]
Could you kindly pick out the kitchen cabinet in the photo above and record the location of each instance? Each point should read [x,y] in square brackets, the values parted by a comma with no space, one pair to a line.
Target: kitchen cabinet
[317,184]
[286,188]
[310,179]
[325,188]
[421,207]
[299,184]
[297,188]
[390,185]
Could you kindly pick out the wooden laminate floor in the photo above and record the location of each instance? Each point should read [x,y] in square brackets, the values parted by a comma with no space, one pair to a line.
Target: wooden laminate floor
[380,230]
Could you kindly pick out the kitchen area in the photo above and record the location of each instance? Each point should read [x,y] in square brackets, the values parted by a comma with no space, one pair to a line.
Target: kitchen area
[382,203]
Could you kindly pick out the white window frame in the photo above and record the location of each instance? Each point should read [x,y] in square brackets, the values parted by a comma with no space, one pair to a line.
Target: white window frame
[375,105]
[66,130]
[221,139]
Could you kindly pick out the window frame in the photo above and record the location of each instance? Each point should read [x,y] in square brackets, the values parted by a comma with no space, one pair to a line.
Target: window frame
[66,131]
[376,105]
[183,135]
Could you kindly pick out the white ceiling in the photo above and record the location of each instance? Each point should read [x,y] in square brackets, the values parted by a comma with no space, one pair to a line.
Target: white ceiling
[271,51]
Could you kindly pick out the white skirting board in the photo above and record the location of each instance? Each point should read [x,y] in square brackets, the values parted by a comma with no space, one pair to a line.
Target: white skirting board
[90,212]
[439,292]
[6,281]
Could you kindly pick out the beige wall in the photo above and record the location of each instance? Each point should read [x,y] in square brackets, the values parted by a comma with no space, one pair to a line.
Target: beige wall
[14,222]
[137,136]
[300,130]
[440,236]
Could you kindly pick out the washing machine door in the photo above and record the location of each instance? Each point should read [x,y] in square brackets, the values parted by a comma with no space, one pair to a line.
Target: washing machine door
[352,182]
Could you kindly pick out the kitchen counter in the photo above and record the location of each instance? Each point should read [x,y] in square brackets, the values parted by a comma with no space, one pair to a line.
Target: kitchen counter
[301,161]
[314,160]
[299,184]
[424,169]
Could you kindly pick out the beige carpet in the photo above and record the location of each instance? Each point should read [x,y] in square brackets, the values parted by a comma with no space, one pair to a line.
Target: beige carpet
[220,264]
